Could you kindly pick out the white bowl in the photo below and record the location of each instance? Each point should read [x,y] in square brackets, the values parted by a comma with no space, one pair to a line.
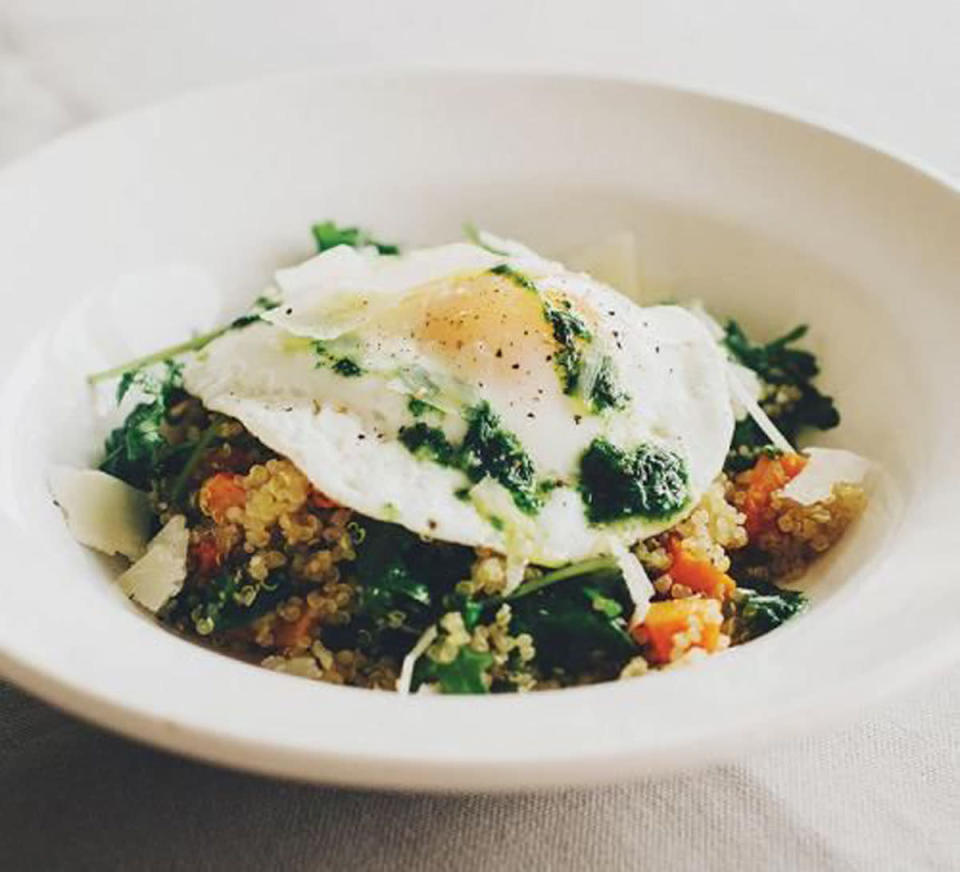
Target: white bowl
[768,219]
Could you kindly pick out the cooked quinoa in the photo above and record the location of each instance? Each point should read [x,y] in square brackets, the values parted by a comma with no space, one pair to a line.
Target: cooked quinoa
[279,574]
[275,576]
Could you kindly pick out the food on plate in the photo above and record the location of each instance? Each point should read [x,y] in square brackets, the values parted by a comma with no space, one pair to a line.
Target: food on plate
[466,469]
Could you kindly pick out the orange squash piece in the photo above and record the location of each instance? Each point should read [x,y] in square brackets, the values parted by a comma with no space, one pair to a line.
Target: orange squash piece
[220,492]
[699,619]
[701,576]
[769,474]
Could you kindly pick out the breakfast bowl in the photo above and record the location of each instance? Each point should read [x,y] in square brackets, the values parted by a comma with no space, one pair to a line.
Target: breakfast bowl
[137,232]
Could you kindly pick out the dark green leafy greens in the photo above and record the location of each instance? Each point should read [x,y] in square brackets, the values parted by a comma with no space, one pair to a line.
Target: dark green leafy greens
[328,234]
[464,675]
[793,402]
[648,482]
[576,614]
[136,449]
[487,449]
[404,579]
[764,608]
[228,600]
[578,622]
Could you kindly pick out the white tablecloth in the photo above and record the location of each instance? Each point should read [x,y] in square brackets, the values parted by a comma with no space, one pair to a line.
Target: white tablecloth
[883,792]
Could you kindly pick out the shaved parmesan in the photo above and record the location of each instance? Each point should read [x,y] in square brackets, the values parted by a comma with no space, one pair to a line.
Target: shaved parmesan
[825,468]
[160,573]
[636,580]
[751,382]
[102,511]
[741,394]
[744,384]
[406,668]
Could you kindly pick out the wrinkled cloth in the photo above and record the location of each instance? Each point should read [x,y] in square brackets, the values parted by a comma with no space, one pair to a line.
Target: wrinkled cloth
[880,793]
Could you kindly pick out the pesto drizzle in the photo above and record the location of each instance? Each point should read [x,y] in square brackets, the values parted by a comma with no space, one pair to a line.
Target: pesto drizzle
[345,366]
[487,449]
[604,392]
[649,482]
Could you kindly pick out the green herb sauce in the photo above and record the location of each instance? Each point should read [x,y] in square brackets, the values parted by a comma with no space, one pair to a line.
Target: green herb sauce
[430,443]
[569,332]
[345,366]
[486,449]
[649,482]
[604,393]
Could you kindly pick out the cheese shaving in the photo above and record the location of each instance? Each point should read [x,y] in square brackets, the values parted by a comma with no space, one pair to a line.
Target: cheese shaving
[637,581]
[160,573]
[742,394]
[406,668]
[102,511]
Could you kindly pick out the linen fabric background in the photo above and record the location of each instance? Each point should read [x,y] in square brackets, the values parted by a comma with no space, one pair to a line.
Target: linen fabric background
[880,792]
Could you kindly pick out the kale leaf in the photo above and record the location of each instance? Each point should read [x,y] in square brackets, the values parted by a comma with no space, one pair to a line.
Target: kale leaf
[228,601]
[578,625]
[764,608]
[327,234]
[464,675]
[405,579]
[791,399]
[137,448]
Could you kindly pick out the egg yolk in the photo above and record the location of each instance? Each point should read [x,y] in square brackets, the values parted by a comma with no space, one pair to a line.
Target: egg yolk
[485,326]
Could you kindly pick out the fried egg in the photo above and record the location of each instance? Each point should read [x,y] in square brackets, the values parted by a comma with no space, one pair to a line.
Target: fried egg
[480,394]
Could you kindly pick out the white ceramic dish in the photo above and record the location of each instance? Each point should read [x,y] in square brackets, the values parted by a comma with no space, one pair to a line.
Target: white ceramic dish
[769,219]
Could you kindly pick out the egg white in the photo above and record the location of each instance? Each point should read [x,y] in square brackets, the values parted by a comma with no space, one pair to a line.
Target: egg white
[436,324]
